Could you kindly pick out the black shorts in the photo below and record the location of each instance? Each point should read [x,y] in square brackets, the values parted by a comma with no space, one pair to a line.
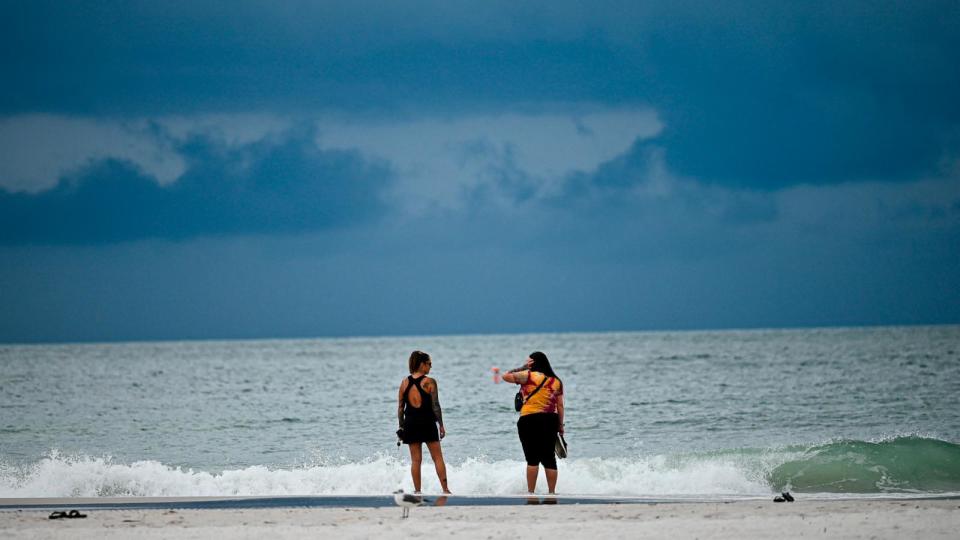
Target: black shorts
[538,435]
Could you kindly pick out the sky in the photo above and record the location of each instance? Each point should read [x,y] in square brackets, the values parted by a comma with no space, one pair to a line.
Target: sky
[178,170]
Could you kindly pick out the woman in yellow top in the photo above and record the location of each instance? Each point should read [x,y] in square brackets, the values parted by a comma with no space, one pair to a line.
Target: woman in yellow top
[541,417]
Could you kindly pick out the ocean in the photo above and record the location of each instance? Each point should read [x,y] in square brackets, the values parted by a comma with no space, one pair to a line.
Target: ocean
[848,412]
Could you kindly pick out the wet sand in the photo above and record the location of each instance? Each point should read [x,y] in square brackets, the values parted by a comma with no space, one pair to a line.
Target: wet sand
[931,518]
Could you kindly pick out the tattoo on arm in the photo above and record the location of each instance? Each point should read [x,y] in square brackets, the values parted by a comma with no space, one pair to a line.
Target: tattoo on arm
[400,406]
[436,402]
[516,376]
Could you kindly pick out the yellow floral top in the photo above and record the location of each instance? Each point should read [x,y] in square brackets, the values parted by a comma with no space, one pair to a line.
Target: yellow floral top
[544,401]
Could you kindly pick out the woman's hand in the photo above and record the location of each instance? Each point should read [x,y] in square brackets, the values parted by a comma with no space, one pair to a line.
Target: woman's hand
[561,429]
[443,432]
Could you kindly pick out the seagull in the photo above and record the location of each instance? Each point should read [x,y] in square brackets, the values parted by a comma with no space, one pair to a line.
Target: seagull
[406,501]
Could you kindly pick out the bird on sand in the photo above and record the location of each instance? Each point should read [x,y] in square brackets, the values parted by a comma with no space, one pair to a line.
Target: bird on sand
[407,501]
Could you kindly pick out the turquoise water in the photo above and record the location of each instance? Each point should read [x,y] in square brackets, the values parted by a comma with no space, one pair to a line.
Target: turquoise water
[701,414]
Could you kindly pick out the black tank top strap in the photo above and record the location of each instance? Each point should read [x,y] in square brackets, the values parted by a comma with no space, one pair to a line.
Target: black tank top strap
[415,382]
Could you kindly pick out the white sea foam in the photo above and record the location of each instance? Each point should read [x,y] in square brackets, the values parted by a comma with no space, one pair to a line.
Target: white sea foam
[83,476]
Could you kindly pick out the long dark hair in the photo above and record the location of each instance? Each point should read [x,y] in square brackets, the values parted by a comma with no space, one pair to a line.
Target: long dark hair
[541,364]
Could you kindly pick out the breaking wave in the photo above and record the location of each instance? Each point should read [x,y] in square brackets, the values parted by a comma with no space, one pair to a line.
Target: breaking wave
[902,465]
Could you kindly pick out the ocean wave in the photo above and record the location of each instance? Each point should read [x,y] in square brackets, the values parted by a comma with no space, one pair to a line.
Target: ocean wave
[898,465]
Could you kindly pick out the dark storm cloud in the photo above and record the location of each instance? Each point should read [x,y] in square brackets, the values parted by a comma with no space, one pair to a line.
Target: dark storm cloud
[785,94]
[753,94]
[273,186]
[797,166]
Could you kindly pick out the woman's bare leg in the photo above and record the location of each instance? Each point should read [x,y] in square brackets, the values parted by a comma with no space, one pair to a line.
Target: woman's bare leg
[551,479]
[532,472]
[437,455]
[416,457]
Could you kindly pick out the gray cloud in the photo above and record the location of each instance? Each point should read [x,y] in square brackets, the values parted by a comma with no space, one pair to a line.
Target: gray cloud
[270,186]
[37,150]
[760,96]
[756,164]
[635,257]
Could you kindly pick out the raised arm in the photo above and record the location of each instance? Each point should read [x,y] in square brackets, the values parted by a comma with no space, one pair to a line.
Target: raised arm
[517,376]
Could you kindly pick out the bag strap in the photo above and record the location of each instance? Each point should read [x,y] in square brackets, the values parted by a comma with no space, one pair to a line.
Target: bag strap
[544,381]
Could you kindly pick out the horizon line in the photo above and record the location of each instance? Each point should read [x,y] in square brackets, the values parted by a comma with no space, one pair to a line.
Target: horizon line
[476,334]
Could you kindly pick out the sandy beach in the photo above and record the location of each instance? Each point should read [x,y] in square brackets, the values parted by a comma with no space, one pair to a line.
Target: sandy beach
[743,519]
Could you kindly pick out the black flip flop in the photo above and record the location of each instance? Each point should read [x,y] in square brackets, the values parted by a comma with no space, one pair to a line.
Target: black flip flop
[787,496]
[72,514]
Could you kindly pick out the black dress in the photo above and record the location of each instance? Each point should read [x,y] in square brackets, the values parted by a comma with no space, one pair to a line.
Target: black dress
[419,423]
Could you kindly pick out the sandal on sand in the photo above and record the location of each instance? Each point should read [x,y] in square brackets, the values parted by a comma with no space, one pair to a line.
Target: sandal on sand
[778,499]
[73,514]
[787,496]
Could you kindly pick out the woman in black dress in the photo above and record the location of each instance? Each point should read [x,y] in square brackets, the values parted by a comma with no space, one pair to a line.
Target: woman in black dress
[418,411]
